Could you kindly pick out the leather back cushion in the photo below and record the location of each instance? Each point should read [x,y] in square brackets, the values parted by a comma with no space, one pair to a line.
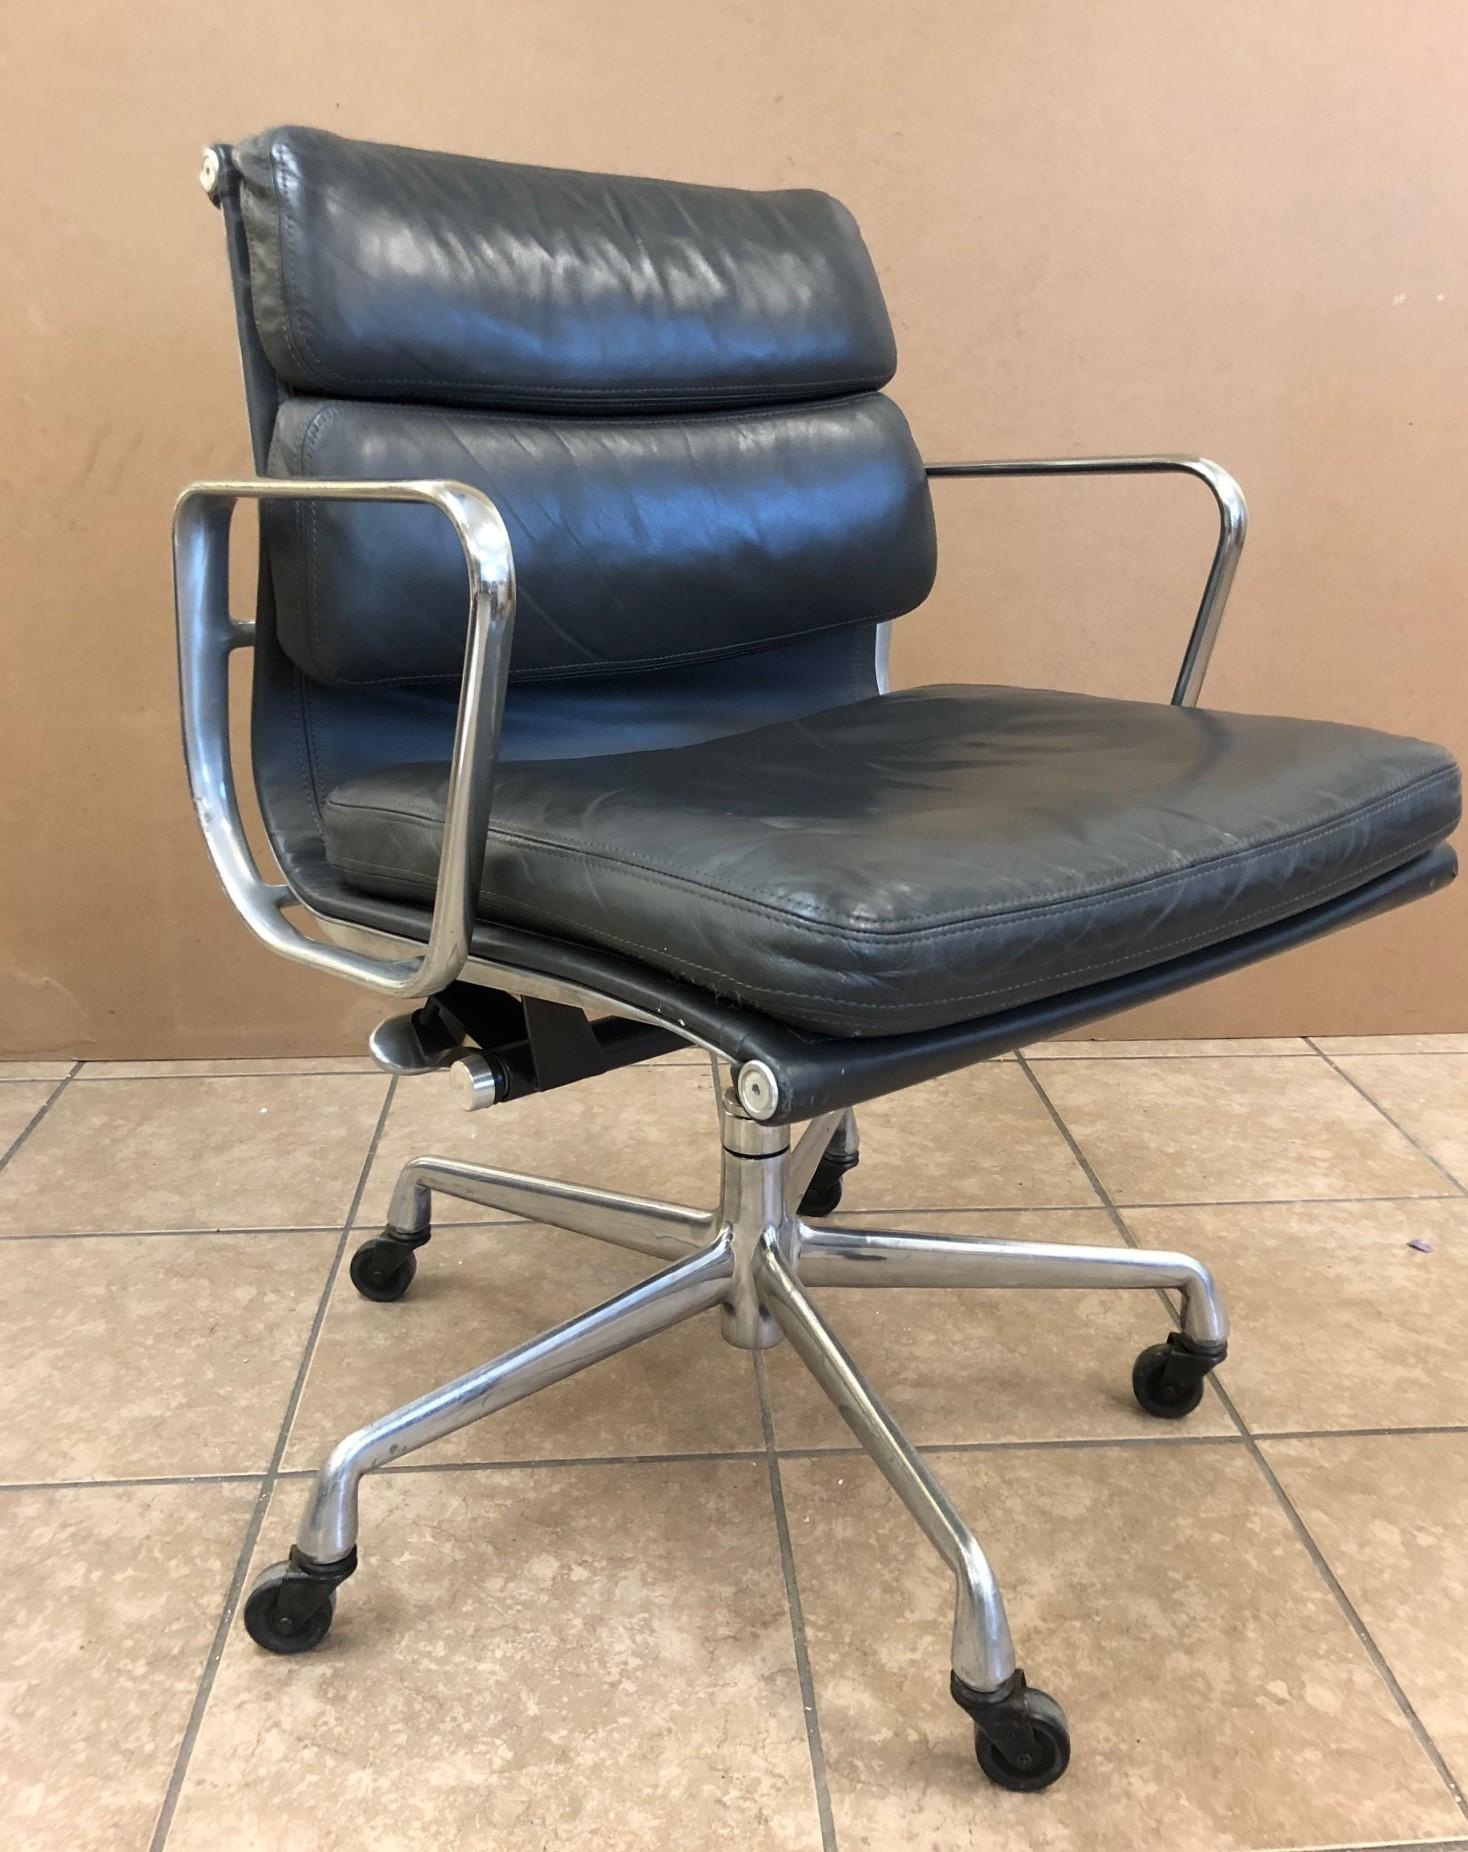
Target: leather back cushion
[637,542]
[391,273]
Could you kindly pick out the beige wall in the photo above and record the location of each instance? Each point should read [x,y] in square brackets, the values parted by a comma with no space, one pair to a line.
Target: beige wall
[1112,225]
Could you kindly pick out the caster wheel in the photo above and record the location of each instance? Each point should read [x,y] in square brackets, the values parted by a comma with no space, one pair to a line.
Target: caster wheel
[822,1197]
[1026,1766]
[288,1611]
[1021,1738]
[383,1268]
[1167,1379]
[823,1193]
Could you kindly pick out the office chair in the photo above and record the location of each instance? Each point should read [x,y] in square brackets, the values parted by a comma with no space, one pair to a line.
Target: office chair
[646,787]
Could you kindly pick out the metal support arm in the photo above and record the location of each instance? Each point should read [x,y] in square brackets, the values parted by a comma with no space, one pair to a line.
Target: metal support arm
[206,636]
[1233,520]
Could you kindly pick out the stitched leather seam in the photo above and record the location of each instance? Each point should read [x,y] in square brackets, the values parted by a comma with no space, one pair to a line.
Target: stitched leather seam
[443,414]
[935,925]
[835,1006]
[283,236]
[306,752]
[307,510]
[582,671]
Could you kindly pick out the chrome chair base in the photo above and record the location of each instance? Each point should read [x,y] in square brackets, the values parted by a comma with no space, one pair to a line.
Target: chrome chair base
[753,1257]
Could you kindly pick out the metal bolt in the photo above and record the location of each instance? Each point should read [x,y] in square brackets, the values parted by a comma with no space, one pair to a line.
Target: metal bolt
[475,1081]
[756,1089]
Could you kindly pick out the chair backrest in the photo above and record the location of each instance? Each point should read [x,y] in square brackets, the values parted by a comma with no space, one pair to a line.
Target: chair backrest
[671,392]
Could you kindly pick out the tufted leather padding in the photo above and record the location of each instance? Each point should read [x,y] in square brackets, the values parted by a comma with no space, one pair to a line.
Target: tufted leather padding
[918,859]
[395,273]
[638,543]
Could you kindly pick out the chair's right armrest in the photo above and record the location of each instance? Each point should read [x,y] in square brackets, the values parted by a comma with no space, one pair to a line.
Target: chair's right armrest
[1233,526]
[206,636]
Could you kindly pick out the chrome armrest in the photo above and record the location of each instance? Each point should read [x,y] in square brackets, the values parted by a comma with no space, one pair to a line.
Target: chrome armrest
[206,636]
[1233,521]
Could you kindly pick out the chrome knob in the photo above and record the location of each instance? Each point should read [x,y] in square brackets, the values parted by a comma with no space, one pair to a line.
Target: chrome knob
[475,1081]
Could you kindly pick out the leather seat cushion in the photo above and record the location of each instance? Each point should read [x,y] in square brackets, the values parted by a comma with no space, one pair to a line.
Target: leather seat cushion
[923,857]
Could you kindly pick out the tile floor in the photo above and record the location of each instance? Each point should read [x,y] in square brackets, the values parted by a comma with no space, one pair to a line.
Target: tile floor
[666,1604]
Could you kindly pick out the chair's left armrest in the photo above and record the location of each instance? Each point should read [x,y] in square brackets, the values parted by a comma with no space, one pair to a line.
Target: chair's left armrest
[207,635]
[1233,522]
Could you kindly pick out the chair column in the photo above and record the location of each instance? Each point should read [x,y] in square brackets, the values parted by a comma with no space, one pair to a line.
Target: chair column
[753,1212]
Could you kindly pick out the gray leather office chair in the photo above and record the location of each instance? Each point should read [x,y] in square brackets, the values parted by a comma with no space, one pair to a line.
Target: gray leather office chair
[583,517]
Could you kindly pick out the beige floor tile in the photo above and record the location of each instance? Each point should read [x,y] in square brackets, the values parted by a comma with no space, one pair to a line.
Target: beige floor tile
[1427,1095]
[1392,1044]
[262,1152]
[649,1130]
[112,1595]
[147,1355]
[1336,1322]
[1390,1514]
[1097,1049]
[35,1070]
[1271,1128]
[957,1366]
[197,1070]
[20,1101]
[977,1139]
[478,1292]
[587,1657]
[1218,1699]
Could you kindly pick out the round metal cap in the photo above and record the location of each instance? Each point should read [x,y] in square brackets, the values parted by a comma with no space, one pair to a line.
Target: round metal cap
[756,1090]
[474,1081]
[209,171]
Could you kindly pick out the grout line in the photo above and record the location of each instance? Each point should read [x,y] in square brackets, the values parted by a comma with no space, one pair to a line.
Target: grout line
[1088,1169]
[1374,1054]
[304,1228]
[123,1484]
[1081,1444]
[1383,1845]
[1376,1104]
[57,1089]
[714,1456]
[1297,1202]
[590,1459]
[174,1234]
[1212,1054]
[241,1073]
[1233,1202]
[1348,1608]
[1286,1504]
[267,1486]
[1409,1433]
[843,1215]
[798,1637]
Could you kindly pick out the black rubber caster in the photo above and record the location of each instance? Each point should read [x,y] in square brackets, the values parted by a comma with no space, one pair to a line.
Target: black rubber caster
[823,1193]
[289,1607]
[1167,1379]
[383,1268]
[1021,1738]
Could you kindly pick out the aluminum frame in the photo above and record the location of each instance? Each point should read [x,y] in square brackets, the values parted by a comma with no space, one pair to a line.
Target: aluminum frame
[207,636]
[1233,528]
[753,1258]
